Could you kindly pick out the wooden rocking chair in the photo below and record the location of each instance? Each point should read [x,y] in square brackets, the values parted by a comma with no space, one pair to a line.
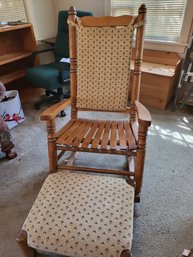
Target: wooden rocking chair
[80,214]
[102,54]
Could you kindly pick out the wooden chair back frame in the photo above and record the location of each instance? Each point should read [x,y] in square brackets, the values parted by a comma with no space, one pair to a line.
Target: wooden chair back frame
[112,22]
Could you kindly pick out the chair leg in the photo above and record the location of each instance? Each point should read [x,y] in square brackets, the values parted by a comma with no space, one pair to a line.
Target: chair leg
[72,158]
[126,253]
[52,97]
[22,242]
[187,97]
[61,96]
[62,113]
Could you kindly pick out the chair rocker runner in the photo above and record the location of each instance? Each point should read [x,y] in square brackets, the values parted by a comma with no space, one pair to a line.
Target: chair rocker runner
[80,214]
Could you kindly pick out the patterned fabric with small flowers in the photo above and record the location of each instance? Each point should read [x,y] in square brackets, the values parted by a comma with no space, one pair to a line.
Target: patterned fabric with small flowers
[103,58]
[82,215]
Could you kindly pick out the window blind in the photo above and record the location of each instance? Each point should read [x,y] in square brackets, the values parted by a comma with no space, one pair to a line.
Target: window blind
[12,10]
[164,17]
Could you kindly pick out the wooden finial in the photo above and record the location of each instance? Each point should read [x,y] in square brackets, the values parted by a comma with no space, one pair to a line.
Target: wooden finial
[142,9]
[72,11]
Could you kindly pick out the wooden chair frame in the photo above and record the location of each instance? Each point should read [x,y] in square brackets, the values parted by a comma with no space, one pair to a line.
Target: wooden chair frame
[140,118]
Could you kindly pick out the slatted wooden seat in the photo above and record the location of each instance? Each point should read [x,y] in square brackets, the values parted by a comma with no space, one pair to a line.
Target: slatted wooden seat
[86,135]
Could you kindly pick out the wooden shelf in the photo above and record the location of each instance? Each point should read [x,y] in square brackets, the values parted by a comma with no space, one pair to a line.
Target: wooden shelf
[11,57]
[17,43]
[9,77]
[15,27]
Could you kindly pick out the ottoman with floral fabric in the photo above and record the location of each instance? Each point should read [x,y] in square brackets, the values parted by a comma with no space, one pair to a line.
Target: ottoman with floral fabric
[82,215]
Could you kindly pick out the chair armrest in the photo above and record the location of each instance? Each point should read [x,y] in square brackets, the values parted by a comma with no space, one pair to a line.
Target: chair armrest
[144,116]
[52,111]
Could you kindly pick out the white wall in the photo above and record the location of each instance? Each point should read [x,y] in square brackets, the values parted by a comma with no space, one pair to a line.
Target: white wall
[42,14]
[95,6]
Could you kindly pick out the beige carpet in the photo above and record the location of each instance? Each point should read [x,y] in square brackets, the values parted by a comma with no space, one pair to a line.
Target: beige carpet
[163,224]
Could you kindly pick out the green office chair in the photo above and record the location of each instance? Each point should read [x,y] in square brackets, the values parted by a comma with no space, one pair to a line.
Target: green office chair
[54,77]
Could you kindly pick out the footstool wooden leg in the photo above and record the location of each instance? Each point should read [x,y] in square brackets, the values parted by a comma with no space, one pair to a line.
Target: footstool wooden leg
[126,253]
[22,242]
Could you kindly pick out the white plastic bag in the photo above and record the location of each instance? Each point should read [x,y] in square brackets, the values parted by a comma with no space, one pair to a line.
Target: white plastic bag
[11,110]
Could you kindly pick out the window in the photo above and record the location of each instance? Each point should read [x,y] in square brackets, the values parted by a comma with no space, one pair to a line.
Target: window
[168,21]
[12,10]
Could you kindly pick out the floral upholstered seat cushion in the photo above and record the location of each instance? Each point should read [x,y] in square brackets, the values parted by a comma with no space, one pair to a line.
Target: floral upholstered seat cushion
[82,215]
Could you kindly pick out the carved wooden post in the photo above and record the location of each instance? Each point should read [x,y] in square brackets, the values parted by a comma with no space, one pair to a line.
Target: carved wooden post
[22,242]
[73,61]
[52,152]
[140,159]
[138,59]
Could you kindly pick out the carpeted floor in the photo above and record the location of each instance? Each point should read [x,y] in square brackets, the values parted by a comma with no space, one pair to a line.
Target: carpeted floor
[163,223]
